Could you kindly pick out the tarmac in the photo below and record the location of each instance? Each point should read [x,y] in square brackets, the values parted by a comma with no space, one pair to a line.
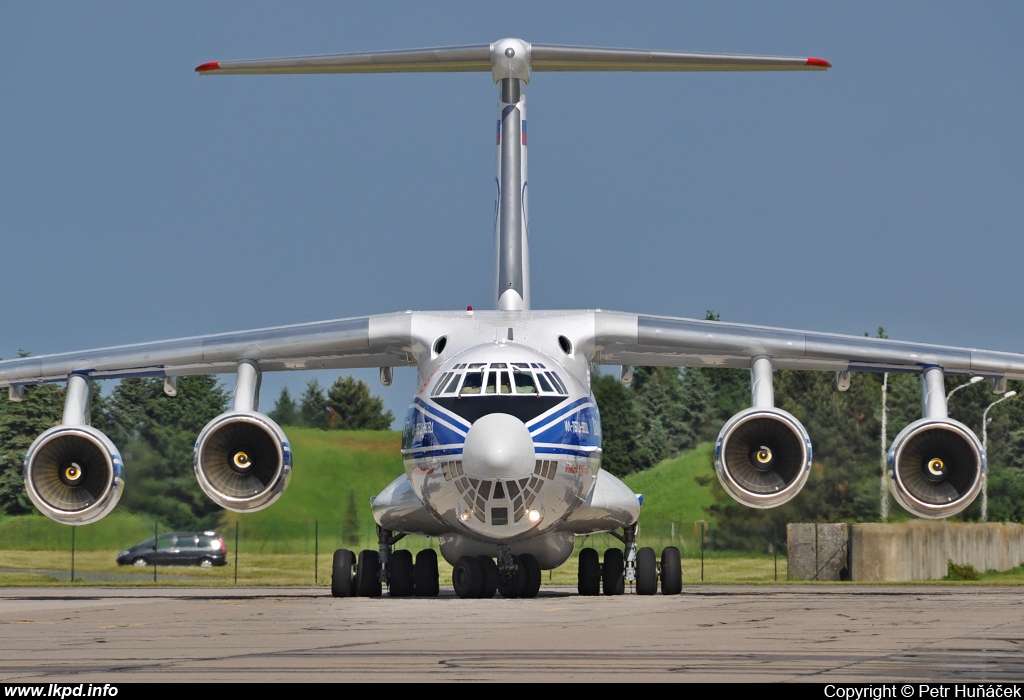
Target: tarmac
[748,634]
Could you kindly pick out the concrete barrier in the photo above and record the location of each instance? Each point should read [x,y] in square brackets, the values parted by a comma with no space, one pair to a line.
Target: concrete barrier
[922,550]
[817,551]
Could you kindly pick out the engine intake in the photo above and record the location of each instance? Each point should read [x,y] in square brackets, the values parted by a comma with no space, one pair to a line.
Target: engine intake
[74,474]
[243,461]
[763,457]
[936,467]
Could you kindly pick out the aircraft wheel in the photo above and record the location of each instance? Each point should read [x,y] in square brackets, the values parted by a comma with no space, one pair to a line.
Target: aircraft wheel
[515,585]
[646,572]
[467,577]
[367,580]
[400,576]
[489,583]
[533,575]
[613,572]
[341,574]
[589,579]
[671,571]
[424,574]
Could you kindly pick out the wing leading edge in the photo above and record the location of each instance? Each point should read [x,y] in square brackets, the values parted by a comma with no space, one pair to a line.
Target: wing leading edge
[633,339]
[369,341]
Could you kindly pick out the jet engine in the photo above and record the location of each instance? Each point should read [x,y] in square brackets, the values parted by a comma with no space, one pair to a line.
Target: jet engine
[74,474]
[763,457]
[243,461]
[936,467]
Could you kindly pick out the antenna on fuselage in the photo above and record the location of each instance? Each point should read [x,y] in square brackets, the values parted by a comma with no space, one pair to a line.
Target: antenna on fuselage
[511,62]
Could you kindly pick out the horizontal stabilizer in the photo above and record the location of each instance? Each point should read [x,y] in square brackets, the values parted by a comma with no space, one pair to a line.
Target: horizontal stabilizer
[513,58]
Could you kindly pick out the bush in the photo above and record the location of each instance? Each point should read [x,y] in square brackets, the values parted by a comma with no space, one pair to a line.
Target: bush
[961,572]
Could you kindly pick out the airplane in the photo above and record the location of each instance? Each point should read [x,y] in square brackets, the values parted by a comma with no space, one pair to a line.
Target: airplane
[502,441]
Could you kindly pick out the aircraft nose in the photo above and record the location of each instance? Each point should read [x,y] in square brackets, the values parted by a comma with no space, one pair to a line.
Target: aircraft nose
[498,446]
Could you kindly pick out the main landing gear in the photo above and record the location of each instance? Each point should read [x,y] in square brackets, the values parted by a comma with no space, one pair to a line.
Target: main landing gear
[513,575]
[366,575]
[637,566]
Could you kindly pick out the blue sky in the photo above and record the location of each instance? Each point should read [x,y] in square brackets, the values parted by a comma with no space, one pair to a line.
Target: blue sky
[140,201]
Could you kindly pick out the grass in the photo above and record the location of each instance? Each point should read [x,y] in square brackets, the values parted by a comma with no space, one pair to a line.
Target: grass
[672,493]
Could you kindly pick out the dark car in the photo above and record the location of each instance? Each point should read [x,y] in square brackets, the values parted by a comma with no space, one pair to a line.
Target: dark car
[178,549]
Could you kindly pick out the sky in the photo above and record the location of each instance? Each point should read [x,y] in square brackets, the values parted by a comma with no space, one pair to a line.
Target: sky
[140,201]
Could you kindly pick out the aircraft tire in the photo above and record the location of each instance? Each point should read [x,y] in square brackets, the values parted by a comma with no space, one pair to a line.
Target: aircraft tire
[467,577]
[400,574]
[613,572]
[424,574]
[671,571]
[367,580]
[533,575]
[489,586]
[646,572]
[515,585]
[341,574]
[588,581]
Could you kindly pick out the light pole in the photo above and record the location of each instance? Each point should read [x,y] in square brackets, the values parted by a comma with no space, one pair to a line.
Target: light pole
[974,380]
[883,495]
[984,447]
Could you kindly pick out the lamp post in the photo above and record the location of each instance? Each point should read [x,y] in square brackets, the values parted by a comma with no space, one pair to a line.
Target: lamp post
[974,380]
[883,494]
[984,447]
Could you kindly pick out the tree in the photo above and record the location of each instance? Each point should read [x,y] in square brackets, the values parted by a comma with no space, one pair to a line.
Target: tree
[668,422]
[623,449]
[353,408]
[157,436]
[313,406]
[21,422]
[350,527]
[286,411]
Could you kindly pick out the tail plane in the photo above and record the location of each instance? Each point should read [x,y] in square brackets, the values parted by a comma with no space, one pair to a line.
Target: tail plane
[511,63]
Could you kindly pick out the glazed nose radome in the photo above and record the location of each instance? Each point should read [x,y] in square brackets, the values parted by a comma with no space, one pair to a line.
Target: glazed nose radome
[498,446]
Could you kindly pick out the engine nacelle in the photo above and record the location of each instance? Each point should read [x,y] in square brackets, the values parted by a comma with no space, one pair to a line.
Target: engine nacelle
[243,461]
[936,467]
[763,457]
[74,474]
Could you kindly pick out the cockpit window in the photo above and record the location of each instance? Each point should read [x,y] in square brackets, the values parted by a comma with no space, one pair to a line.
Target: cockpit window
[524,382]
[500,378]
[556,381]
[441,382]
[474,382]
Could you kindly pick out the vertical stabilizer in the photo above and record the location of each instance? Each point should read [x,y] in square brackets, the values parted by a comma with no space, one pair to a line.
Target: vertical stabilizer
[511,224]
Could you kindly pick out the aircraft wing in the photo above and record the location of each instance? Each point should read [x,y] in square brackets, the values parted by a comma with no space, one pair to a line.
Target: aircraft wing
[370,341]
[634,339]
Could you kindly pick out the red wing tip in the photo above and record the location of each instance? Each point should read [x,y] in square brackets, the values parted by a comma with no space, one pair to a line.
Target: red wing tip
[819,62]
[214,65]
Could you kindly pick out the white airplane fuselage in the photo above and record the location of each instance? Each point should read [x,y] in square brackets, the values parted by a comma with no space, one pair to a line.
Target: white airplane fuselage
[502,446]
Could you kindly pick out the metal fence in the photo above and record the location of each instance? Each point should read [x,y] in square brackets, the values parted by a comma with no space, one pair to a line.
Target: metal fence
[300,553]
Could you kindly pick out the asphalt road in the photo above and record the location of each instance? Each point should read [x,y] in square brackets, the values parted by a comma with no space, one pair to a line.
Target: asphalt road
[710,633]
